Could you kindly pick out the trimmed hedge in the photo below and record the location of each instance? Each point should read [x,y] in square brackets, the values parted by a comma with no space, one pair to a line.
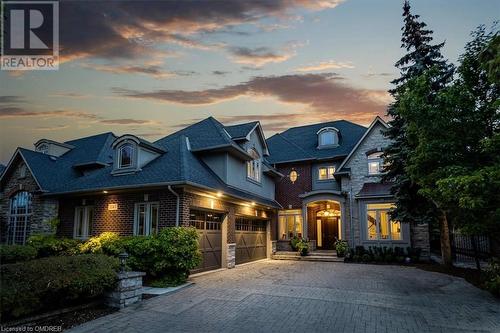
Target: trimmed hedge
[166,257]
[55,282]
[50,245]
[16,253]
[383,254]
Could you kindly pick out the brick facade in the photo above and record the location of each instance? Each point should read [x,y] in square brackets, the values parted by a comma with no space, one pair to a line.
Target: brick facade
[287,193]
[43,209]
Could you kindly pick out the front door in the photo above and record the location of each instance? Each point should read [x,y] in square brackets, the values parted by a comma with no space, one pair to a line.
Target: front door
[329,227]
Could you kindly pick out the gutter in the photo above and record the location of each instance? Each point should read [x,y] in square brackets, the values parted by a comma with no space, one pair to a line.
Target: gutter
[177,208]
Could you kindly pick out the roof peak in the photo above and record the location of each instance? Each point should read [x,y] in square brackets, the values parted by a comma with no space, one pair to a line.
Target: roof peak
[324,123]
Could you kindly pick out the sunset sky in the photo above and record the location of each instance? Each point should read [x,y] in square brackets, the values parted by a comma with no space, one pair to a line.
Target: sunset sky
[149,68]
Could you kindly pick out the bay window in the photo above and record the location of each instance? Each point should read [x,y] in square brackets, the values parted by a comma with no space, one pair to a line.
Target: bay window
[379,224]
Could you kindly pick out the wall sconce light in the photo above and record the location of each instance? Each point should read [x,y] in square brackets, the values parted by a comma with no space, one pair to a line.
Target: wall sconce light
[112,206]
[219,194]
[105,192]
[253,203]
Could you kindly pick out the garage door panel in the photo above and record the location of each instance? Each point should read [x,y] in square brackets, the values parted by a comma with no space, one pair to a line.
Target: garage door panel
[209,227]
[251,239]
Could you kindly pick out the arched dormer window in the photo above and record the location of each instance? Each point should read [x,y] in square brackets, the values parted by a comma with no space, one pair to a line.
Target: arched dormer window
[125,156]
[254,166]
[43,148]
[328,137]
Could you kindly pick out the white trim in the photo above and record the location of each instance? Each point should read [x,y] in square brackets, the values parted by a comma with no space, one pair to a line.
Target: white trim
[147,217]
[372,125]
[327,128]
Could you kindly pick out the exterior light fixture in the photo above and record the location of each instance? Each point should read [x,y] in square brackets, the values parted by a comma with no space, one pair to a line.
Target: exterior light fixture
[123,261]
[105,192]
[253,203]
[293,176]
[219,194]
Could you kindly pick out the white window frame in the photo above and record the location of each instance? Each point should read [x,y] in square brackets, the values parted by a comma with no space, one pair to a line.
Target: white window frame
[375,159]
[390,223]
[19,215]
[254,166]
[148,223]
[132,155]
[330,172]
[328,131]
[86,222]
[43,148]
[297,220]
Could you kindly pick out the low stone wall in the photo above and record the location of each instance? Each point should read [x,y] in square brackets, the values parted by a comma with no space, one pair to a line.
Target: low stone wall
[127,291]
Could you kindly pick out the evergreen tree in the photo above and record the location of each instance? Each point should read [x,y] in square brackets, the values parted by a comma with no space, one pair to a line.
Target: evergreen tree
[411,207]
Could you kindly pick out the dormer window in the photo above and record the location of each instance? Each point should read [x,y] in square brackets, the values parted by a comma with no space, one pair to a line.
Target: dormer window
[125,154]
[328,137]
[253,166]
[43,148]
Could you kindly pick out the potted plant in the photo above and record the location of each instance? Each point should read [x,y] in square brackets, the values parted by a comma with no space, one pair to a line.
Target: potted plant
[341,247]
[293,242]
[303,247]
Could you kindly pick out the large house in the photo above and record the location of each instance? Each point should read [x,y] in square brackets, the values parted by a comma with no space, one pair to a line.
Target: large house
[246,196]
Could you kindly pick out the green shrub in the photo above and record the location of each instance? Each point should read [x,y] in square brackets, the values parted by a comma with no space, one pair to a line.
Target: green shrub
[492,277]
[49,245]
[341,247]
[107,242]
[51,283]
[366,258]
[293,243]
[303,247]
[16,253]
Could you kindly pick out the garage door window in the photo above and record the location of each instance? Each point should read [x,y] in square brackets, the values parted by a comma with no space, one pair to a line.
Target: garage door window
[243,224]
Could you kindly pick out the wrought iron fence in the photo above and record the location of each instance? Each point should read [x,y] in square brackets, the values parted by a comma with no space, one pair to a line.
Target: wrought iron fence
[465,248]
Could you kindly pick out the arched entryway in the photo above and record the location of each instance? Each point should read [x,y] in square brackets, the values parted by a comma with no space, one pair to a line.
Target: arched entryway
[325,223]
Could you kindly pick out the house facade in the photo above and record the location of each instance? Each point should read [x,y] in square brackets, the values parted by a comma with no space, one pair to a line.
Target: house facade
[244,194]
[332,189]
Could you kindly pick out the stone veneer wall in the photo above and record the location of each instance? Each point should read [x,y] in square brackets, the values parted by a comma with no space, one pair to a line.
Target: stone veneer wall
[43,209]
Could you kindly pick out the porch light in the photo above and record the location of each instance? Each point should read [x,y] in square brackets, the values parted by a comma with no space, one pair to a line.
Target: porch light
[105,192]
[219,194]
[123,260]
[253,203]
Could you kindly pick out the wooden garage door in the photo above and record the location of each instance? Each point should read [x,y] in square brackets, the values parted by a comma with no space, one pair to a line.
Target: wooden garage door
[209,227]
[251,243]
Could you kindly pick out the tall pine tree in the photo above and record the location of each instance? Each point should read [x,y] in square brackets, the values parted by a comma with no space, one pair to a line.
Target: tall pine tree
[421,56]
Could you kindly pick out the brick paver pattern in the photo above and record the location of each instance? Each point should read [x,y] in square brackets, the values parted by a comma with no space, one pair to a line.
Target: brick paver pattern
[290,296]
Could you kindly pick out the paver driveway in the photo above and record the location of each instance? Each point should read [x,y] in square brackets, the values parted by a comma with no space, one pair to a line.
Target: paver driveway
[290,296]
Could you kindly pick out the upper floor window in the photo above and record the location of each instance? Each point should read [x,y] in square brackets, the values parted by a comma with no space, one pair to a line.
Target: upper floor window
[125,154]
[325,173]
[253,166]
[22,171]
[43,148]
[328,137]
[375,163]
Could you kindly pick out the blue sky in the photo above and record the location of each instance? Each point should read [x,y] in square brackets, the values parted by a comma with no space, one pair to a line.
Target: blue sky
[148,68]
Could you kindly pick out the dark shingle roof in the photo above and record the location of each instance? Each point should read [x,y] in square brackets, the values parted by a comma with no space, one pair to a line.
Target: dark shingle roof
[375,190]
[178,165]
[300,143]
[240,130]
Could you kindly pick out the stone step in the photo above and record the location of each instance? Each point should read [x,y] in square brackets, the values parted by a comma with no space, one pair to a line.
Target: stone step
[307,258]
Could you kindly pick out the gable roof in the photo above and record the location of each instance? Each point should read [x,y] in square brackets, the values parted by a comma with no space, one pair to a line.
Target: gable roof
[178,165]
[240,130]
[377,120]
[301,143]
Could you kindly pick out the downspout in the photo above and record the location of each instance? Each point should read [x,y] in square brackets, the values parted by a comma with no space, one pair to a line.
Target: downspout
[177,208]
[350,215]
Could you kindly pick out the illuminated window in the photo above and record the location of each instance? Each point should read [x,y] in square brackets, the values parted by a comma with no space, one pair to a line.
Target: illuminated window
[379,223]
[375,163]
[253,166]
[125,154]
[290,223]
[146,218]
[84,217]
[325,173]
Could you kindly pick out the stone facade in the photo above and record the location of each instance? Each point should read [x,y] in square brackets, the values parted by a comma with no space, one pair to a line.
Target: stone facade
[128,290]
[44,209]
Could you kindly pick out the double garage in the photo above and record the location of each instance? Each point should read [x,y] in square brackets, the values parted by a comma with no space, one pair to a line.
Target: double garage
[250,233]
